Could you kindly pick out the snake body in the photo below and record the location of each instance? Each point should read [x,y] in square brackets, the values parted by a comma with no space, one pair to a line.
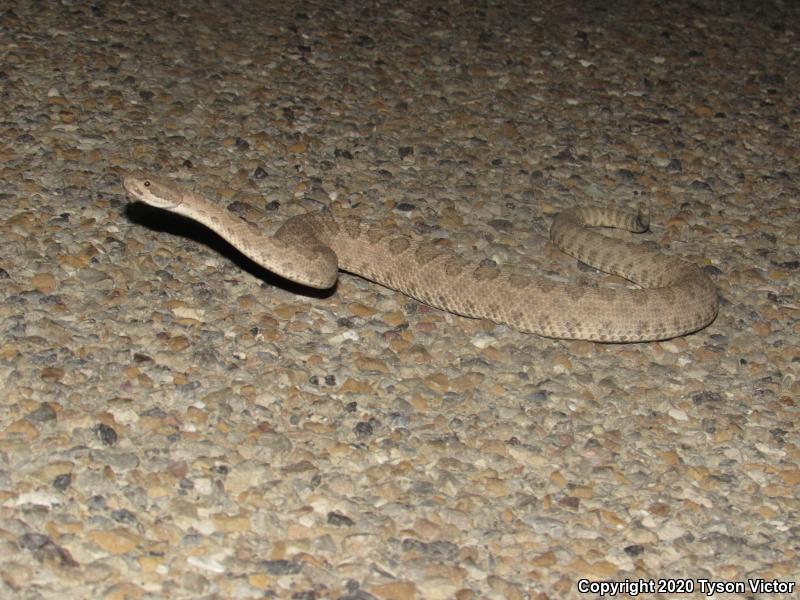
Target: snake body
[676,297]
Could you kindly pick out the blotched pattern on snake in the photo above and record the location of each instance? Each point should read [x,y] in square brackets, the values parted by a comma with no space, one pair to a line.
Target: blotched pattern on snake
[676,297]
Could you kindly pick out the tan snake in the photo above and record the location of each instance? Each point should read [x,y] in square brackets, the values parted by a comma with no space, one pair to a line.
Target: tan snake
[676,298]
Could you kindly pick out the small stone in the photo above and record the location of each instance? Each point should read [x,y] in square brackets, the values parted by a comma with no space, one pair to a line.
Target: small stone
[150,563]
[670,531]
[116,541]
[46,550]
[281,567]
[45,411]
[547,559]
[562,363]
[361,310]
[21,427]
[52,374]
[583,348]
[438,381]
[123,591]
[62,482]
[339,519]
[231,523]
[436,588]
[701,110]
[363,429]
[178,343]
[44,282]
[397,590]
[261,581]
[371,365]
[106,434]
[354,386]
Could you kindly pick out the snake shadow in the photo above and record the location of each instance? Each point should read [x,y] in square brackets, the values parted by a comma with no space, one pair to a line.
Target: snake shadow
[167,222]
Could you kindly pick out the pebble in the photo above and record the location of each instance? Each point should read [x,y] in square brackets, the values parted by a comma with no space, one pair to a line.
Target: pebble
[178,423]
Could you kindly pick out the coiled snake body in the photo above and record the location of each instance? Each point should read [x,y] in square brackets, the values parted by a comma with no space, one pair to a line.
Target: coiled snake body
[676,297]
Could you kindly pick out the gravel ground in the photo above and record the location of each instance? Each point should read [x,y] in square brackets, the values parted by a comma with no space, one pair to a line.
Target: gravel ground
[177,423]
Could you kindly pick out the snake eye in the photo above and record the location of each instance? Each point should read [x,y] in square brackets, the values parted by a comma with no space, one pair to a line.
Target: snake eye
[147,183]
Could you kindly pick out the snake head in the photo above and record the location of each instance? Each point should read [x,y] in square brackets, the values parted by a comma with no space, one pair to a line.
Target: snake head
[152,191]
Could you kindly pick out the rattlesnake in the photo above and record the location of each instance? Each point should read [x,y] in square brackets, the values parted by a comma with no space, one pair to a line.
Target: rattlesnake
[678,297]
